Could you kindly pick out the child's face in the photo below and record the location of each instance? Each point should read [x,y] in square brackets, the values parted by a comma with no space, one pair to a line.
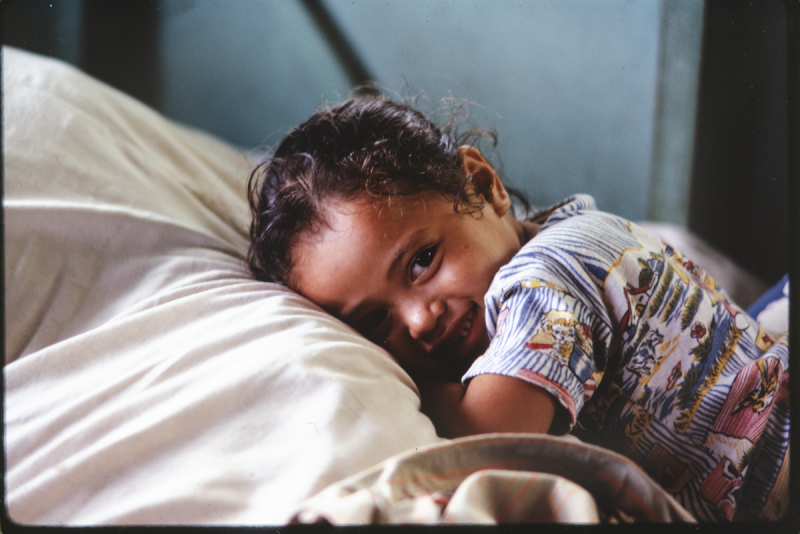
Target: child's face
[410,274]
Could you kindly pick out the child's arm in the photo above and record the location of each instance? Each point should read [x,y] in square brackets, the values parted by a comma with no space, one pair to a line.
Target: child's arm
[490,403]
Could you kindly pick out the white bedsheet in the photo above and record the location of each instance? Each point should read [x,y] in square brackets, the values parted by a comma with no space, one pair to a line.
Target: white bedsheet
[148,378]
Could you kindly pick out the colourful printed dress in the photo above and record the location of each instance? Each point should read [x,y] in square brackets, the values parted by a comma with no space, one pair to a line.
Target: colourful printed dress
[649,358]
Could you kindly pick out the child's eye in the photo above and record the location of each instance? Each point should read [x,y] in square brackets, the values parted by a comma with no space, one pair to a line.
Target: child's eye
[370,323]
[421,262]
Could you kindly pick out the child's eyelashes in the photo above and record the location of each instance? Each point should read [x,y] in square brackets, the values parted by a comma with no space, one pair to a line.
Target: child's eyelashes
[375,323]
[421,262]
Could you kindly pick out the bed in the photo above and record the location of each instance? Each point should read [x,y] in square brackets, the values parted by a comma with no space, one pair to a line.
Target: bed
[150,380]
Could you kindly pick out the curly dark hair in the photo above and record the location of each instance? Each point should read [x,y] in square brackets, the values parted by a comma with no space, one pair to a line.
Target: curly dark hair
[369,146]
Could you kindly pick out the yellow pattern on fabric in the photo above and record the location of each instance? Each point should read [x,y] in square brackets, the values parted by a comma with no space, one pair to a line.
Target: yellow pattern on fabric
[729,347]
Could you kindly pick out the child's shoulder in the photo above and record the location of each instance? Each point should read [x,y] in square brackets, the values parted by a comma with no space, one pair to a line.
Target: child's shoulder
[574,237]
[578,216]
[567,208]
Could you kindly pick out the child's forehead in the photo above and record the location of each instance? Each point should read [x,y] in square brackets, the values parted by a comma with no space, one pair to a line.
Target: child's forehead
[366,213]
[397,208]
[380,223]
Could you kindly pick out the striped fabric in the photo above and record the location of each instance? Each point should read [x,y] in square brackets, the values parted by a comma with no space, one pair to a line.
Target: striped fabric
[649,358]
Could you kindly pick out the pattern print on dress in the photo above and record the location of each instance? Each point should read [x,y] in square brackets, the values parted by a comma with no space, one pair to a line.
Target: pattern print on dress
[649,358]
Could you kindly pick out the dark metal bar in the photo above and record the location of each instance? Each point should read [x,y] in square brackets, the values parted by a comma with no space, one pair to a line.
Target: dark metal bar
[360,77]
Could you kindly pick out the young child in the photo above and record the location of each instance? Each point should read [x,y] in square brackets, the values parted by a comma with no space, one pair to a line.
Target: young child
[591,324]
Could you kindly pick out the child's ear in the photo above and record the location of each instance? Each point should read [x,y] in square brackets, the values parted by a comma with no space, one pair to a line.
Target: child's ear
[484,179]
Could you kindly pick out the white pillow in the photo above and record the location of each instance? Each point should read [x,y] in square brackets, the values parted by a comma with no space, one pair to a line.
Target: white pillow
[148,378]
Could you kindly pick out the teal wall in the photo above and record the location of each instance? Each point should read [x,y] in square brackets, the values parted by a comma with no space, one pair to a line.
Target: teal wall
[245,70]
[570,86]
[592,96]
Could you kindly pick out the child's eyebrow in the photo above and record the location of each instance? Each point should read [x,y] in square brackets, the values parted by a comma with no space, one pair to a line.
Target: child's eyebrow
[410,242]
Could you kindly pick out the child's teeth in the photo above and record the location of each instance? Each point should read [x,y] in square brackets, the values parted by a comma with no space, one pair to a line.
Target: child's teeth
[464,330]
[467,326]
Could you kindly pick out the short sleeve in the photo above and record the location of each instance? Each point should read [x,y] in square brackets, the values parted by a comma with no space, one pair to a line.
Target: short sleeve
[542,335]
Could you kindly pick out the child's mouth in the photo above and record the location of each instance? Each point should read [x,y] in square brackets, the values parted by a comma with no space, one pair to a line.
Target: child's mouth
[462,341]
[465,329]
[456,354]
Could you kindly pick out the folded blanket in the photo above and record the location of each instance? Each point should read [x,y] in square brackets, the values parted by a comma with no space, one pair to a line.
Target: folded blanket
[497,478]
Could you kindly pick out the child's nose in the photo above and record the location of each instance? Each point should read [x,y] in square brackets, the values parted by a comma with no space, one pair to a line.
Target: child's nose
[423,316]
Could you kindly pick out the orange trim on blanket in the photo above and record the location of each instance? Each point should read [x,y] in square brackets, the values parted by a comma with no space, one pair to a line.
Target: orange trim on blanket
[562,501]
[548,505]
[506,511]
[653,516]
[429,477]
[500,494]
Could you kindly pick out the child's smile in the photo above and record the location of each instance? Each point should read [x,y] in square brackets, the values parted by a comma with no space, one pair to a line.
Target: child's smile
[411,274]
